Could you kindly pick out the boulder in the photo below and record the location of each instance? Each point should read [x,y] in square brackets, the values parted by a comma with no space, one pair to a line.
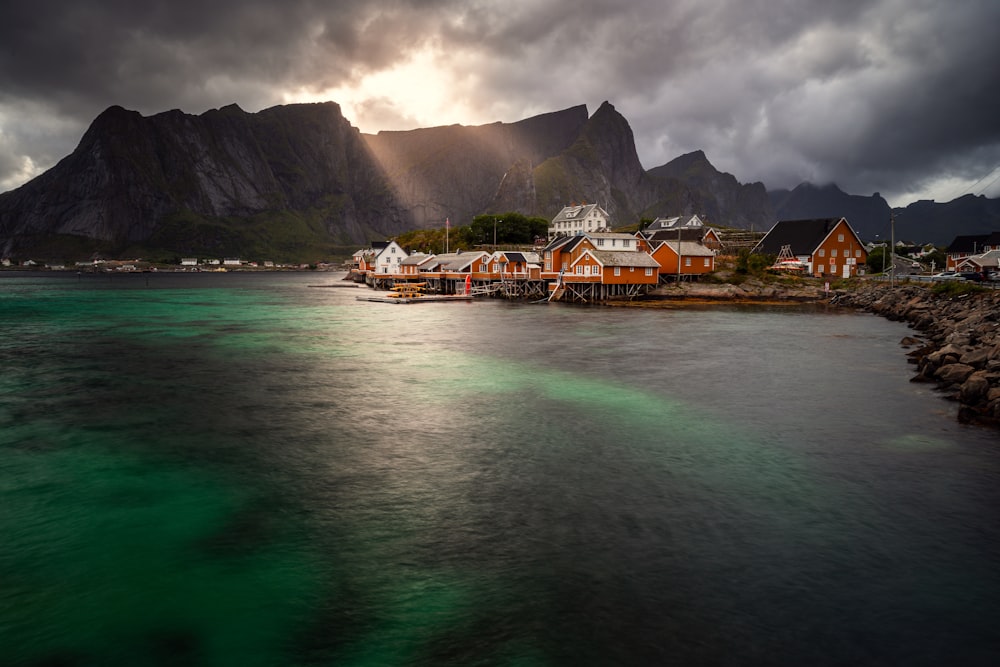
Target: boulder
[954,373]
[975,389]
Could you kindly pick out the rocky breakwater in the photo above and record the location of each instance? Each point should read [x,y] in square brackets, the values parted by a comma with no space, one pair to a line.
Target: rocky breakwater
[956,344]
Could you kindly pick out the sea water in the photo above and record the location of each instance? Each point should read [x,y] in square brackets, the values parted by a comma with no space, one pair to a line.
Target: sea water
[251,469]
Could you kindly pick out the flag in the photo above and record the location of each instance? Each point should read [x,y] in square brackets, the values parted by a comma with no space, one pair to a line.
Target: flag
[447,223]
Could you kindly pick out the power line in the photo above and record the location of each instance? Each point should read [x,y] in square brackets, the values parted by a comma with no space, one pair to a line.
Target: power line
[973,186]
[991,184]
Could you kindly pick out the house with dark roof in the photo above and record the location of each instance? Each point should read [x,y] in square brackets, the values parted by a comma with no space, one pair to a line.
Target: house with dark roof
[965,246]
[828,246]
[518,265]
[987,262]
[707,236]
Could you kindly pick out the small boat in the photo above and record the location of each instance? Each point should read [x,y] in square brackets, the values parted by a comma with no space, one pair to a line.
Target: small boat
[408,291]
[786,261]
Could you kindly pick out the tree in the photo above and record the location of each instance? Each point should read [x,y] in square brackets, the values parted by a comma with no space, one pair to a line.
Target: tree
[510,228]
[878,259]
[753,263]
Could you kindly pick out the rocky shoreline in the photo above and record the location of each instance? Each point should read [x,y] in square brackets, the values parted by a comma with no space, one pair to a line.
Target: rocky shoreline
[956,345]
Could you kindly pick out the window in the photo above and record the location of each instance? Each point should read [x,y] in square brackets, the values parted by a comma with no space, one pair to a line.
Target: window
[707,263]
[626,242]
[649,270]
[857,253]
[600,241]
[833,252]
[822,252]
[840,238]
[579,269]
[687,261]
[618,270]
[393,250]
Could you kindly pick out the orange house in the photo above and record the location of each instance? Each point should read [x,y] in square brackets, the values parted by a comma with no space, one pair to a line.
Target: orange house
[707,236]
[518,265]
[563,251]
[829,246]
[613,267]
[684,258]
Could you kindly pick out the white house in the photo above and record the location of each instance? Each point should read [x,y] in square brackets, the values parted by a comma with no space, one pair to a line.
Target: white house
[612,241]
[578,219]
[389,257]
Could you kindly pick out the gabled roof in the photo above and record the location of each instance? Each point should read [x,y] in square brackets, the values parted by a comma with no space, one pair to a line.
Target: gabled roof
[687,248]
[577,212]
[662,223]
[417,259]
[989,259]
[804,236]
[460,261]
[681,221]
[522,257]
[686,234]
[619,258]
[618,236]
[565,243]
[971,243]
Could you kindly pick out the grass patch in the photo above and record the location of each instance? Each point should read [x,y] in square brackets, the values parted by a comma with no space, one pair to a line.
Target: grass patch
[955,288]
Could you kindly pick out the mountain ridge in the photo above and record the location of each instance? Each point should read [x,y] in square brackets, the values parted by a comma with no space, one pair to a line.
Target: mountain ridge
[299,181]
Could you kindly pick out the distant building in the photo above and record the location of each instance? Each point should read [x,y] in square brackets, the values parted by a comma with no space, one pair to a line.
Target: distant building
[675,223]
[578,219]
[963,247]
[189,261]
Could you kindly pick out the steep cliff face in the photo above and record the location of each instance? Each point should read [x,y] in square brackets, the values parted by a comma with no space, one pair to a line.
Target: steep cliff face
[699,188]
[458,172]
[601,166]
[132,177]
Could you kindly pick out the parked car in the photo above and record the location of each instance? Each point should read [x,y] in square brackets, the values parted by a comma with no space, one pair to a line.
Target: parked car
[946,275]
[974,276]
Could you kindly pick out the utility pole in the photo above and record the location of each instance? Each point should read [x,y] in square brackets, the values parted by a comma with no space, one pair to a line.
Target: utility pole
[678,256]
[892,248]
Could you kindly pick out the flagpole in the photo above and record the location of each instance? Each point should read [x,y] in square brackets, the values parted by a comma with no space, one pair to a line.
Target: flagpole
[447,230]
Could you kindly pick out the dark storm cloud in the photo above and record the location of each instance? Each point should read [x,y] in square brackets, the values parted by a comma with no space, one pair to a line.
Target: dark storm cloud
[888,95]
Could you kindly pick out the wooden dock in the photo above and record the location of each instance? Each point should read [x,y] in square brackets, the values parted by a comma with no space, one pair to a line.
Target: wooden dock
[416,299]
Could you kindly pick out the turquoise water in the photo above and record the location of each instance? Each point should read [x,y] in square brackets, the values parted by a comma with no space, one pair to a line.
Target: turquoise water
[248,470]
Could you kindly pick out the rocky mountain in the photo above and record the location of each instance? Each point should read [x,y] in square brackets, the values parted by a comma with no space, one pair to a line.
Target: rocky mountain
[224,182]
[920,222]
[869,216]
[294,182]
[712,195]
[940,223]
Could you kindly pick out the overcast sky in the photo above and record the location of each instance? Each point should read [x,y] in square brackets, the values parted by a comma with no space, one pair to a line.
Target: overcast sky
[896,96]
